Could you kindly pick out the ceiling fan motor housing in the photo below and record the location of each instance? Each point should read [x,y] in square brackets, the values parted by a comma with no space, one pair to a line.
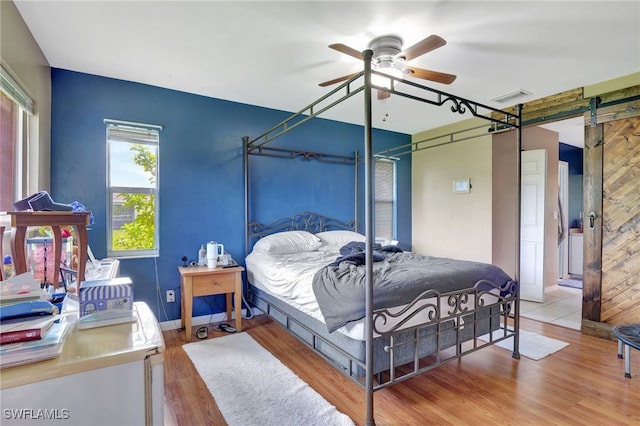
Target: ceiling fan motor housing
[389,58]
[385,49]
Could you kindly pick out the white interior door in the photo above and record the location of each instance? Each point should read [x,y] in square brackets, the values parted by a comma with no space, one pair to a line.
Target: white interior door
[534,172]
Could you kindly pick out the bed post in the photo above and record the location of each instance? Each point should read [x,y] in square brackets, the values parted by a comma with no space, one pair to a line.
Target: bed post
[368,221]
[516,316]
[245,150]
[356,210]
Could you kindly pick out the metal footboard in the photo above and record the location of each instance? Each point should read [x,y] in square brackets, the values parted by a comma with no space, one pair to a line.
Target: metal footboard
[447,327]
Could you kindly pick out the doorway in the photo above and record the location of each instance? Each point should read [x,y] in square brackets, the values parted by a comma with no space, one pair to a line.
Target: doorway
[563,302]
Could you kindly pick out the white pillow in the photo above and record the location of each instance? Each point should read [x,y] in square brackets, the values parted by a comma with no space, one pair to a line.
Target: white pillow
[334,240]
[288,242]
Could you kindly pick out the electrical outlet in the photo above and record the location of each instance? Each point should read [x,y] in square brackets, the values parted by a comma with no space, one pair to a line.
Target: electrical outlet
[171,296]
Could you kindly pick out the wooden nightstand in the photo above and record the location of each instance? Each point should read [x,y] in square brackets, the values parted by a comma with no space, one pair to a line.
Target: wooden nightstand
[202,281]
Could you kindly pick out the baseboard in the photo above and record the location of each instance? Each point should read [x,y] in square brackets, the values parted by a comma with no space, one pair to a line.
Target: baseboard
[204,319]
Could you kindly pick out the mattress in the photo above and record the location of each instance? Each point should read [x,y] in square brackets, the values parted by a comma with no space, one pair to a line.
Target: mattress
[289,278]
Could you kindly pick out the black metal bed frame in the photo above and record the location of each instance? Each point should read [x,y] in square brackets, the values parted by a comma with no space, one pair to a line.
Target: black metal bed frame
[499,120]
[445,312]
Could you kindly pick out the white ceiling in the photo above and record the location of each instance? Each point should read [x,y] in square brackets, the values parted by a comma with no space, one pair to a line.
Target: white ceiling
[274,54]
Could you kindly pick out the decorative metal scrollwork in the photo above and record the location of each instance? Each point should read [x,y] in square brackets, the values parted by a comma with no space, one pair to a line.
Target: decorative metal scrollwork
[458,302]
[428,302]
[457,104]
[307,156]
[305,221]
[380,317]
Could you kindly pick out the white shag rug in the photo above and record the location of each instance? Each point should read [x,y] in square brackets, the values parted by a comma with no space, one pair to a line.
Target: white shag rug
[252,387]
[532,345]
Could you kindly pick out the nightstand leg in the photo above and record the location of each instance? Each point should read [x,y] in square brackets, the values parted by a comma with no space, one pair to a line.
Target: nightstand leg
[187,312]
[229,307]
[182,307]
[238,309]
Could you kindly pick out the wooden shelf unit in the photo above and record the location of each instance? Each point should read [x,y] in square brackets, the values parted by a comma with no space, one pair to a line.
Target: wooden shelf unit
[20,221]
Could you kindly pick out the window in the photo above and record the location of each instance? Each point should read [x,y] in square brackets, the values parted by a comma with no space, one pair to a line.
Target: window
[385,199]
[15,108]
[133,187]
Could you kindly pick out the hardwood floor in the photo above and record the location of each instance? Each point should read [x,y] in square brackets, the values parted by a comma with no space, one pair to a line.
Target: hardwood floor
[582,384]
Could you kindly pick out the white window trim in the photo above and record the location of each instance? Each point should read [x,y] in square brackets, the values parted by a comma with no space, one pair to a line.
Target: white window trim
[155,252]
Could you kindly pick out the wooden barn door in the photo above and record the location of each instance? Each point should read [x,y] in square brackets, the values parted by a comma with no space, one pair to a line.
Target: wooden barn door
[612,217]
[621,222]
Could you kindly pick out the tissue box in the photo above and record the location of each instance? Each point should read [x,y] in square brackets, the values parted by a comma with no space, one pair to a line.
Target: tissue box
[101,296]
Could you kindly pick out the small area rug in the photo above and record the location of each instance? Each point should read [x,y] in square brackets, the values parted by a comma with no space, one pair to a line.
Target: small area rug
[570,283]
[252,387]
[532,345]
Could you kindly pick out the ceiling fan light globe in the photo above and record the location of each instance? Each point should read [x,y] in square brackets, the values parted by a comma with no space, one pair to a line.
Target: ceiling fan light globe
[383,82]
[392,71]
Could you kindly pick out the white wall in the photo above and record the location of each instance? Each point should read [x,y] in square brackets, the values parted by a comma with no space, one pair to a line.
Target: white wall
[22,57]
[444,223]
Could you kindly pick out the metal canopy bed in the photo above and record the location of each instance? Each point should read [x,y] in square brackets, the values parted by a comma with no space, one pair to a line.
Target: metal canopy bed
[397,342]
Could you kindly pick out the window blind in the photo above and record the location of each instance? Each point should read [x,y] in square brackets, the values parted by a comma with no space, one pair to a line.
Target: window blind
[384,198]
[132,133]
[13,90]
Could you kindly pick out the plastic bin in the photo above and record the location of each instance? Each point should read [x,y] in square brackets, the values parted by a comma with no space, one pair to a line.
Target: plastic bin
[40,258]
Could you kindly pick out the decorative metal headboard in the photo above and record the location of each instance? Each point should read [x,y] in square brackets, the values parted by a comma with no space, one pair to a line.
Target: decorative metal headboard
[305,221]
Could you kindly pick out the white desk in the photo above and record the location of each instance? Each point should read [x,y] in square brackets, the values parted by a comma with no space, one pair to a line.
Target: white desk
[104,376]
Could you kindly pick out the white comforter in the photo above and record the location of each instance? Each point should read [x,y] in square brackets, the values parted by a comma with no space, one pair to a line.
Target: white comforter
[289,276]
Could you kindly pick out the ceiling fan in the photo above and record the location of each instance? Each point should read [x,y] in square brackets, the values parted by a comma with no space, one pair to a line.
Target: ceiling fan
[389,58]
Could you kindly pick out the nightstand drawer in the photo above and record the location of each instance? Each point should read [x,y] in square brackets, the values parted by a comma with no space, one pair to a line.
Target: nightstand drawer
[214,284]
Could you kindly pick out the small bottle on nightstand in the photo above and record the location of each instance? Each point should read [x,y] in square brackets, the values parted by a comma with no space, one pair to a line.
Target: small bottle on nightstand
[202,256]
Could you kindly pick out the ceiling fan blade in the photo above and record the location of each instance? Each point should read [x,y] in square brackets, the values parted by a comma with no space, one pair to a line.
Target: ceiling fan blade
[438,77]
[337,80]
[420,48]
[383,95]
[343,48]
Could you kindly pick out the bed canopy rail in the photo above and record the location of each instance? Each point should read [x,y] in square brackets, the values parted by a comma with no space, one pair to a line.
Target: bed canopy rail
[305,155]
[460,105]
[306,221]
[436,141]
[499,119]
[361,82]
[314,109]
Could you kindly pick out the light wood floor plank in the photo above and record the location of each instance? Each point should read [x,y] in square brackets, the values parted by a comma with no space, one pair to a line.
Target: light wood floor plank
[582,384]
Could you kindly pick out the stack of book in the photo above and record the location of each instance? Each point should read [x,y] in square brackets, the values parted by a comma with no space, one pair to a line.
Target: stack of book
[31,340]
[18,330]
[31,328]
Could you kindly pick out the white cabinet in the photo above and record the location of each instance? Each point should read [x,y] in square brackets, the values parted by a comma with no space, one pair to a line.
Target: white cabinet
[575,253]
[110,375]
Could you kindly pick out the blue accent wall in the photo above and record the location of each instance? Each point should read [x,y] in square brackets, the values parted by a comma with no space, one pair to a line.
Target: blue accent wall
[201,172]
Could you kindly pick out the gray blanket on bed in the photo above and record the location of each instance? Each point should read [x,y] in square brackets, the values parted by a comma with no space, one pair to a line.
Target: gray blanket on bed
[398,279]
